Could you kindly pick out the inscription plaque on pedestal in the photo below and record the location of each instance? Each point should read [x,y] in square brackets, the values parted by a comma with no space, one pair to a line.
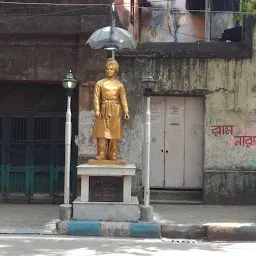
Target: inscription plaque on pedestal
[105,189]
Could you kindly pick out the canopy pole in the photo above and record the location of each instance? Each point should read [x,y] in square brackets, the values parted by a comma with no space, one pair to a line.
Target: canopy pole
[113,23]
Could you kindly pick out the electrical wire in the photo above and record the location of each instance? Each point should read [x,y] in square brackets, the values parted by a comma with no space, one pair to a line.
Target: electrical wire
[69,4]
[52,4]
[88,6]
[78,9]
[158,1]
[45,14]
[91,6]
[55,4]
[160,28]
[155,8]
[178,12]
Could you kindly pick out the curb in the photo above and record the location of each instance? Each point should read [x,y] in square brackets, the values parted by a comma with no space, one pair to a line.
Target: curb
[210,232]
[231,232]
[25,231]
[113,229]
[184,231]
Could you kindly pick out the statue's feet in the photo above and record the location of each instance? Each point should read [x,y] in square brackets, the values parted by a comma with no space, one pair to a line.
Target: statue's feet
[100,156]
[113,157]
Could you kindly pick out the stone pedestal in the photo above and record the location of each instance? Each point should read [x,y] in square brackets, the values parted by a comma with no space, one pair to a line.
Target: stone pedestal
[106,193]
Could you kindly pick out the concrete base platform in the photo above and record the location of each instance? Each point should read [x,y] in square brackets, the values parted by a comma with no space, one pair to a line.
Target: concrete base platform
[106,162]
[106,211]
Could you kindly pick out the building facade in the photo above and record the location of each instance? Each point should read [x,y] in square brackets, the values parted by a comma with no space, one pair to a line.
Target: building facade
[39,44]
[202,109]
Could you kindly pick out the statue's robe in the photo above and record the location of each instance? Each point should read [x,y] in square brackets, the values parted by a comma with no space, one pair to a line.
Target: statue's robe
[109,97]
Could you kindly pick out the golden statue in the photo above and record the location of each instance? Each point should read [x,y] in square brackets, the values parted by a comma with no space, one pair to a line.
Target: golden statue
[109,96]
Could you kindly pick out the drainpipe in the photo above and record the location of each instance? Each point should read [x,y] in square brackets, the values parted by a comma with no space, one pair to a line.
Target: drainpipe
[173,20]
[207,21]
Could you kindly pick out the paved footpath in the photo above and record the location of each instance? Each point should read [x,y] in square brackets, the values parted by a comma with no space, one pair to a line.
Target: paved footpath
[211,222]
[203,214]
[175,221]
[27,218]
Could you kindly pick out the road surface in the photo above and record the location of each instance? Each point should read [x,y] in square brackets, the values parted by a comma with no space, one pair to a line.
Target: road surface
[19,245]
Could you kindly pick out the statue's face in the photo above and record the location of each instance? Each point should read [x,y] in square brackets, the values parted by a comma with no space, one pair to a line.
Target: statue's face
[111,71]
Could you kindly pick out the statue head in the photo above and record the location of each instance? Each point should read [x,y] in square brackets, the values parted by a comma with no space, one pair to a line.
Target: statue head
[111,62]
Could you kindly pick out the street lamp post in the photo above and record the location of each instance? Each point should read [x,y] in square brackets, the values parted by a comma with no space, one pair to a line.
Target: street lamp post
[69,84]
[147,210]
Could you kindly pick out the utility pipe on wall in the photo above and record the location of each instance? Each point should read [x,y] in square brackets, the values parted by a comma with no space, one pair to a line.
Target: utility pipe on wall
[207,21]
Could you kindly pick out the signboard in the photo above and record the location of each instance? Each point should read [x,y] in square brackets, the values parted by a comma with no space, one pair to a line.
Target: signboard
[155,115]
[105,189]
[174,115]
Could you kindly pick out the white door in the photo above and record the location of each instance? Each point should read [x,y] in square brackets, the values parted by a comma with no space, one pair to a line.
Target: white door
[177,142]
[174,142]
[157,141]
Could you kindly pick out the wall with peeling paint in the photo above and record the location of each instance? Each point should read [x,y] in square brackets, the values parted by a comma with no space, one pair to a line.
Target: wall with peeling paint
[227,85]
[229,100]
[171,21]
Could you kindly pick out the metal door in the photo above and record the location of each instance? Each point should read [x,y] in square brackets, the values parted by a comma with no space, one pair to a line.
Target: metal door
[32,166]
[177,142]
[32,143]
[17,157]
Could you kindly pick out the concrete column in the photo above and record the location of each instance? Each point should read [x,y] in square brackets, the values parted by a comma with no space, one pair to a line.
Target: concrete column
[127,189]
[85,188]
